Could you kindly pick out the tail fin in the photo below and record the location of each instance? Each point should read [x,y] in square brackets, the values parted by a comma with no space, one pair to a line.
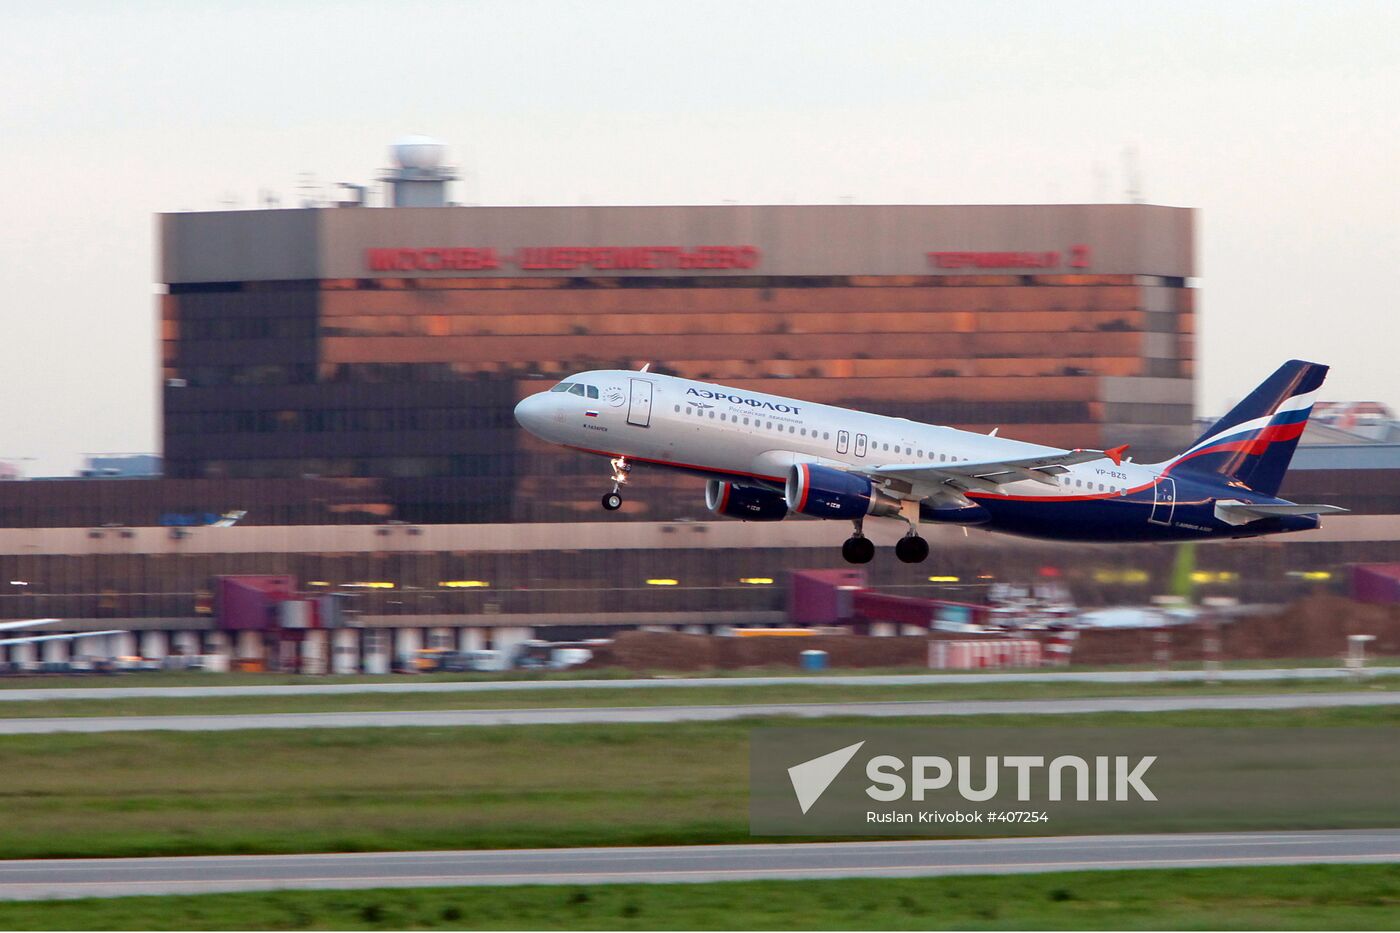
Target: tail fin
[1254,443]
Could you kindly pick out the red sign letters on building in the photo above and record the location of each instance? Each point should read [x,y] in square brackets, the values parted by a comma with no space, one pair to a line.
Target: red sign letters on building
[561,258]
[1079,257]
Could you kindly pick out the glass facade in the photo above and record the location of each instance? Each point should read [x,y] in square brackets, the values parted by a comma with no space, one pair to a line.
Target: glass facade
[412,381]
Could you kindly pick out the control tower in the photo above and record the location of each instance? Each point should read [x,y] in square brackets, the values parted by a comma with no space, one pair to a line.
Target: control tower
[419,178]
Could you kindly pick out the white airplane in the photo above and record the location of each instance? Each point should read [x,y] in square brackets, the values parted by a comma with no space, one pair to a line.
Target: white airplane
[767,456]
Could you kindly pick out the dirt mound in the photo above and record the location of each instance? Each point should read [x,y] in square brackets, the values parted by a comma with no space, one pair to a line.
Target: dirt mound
[1315,627]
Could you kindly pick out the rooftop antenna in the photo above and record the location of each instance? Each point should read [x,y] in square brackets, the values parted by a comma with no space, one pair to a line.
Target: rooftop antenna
[306,187]
[1132,176]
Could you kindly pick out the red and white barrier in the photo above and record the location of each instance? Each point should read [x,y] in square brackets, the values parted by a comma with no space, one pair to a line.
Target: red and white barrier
[983,654]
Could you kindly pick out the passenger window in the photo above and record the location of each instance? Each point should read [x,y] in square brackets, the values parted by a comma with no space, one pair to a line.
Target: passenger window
[592,391]
[688,410]
[712,416]
[826,435]
[746,421]
[678,408]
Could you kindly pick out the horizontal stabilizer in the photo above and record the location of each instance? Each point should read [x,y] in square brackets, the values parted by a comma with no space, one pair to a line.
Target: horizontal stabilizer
[1235,512]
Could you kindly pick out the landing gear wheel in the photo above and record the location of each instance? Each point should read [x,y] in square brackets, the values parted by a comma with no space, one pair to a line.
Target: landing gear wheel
[612,501]
[857,550]
[911,549]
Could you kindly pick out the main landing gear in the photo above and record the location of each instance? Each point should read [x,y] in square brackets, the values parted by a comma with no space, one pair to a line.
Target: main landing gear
[911,549]
[612,501]
[857,549]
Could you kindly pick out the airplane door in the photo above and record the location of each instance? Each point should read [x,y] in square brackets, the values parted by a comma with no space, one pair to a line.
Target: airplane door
[639,409]
[843,441]
[1164,501]
[860,445]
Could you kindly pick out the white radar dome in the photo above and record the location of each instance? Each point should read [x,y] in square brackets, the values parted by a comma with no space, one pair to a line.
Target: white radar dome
[420,152]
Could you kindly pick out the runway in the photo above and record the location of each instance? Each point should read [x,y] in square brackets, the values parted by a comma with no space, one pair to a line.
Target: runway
[662,714]
[27,694]
[67,878]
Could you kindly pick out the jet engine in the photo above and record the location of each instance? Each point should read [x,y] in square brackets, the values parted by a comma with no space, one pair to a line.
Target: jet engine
[751,503]
[830,493]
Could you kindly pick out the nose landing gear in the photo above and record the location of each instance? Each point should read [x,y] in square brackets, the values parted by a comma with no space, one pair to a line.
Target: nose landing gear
[612,501]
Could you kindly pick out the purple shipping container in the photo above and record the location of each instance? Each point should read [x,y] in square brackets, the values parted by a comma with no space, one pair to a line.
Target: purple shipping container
[822,597]
[249,602]
[1376,583]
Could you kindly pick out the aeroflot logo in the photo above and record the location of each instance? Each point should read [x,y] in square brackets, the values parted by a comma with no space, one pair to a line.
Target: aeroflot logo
[740,400]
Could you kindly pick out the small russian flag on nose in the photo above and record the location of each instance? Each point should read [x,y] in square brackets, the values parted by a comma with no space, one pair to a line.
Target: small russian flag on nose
[590,414]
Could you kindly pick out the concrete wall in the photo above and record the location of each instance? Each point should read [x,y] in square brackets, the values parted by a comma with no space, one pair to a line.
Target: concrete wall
[791,240]
[577,536]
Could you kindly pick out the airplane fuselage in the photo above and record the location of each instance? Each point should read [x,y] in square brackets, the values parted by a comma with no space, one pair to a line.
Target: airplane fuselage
[754,438]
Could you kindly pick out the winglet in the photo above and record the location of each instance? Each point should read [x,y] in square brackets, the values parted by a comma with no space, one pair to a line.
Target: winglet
[1116,454]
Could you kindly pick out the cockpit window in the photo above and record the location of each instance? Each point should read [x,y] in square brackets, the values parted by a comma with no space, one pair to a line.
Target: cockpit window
[577,388]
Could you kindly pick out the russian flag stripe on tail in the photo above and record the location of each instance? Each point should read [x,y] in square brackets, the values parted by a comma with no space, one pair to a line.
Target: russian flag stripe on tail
[1254,443]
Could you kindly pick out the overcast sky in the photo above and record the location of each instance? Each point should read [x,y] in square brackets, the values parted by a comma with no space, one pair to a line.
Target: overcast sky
[1280,122]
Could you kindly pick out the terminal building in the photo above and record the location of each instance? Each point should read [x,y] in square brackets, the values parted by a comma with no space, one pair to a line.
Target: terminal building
[346,376]
[392,344]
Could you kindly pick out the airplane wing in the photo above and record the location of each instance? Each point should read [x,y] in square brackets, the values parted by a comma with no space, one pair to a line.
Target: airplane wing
[1235,512]
[27,623]
[37,638]
[928,478]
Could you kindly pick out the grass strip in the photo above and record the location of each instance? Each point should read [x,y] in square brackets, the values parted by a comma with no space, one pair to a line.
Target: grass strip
[796,692]
[323,790]
[1307,897]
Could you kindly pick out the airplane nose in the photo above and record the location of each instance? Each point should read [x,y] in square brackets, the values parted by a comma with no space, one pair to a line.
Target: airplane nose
[532,412]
